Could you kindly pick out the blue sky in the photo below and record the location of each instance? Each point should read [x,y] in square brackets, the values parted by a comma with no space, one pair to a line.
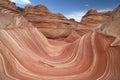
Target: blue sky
[72,8]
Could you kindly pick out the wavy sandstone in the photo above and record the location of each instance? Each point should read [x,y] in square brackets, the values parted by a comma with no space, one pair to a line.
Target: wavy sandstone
[26,54]
[85,54]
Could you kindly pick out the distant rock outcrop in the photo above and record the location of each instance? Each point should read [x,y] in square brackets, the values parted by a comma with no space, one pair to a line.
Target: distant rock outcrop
[92,18]
[91,11]
[39,9]
[8,4]
[51,25]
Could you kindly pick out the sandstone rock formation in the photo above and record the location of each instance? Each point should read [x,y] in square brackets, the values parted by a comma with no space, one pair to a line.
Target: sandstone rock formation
[26,54]
[82,54]
[51,25]
[8,4]
[93,18]
[112,26]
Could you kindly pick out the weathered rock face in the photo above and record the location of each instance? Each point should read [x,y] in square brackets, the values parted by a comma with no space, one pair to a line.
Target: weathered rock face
[51,25]
[112,26]
[8,4]
[92,18]
[91,12]
[86,54]
[10,16]
[72,37]
[39,9]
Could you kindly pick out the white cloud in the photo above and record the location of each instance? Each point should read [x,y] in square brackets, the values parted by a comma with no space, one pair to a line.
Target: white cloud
[86,5]
[76,15]
[104,10]
[23,2]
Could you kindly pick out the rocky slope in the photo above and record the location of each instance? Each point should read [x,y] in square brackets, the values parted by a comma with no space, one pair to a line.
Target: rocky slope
[55,26]
[51,25]
[112,26]
[8,4]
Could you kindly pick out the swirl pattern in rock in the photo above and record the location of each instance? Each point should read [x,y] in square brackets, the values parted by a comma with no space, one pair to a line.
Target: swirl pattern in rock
[85,54]
[25,54]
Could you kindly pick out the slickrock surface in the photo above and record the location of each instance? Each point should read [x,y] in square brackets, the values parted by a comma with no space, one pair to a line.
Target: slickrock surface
[83,54]
[26,54]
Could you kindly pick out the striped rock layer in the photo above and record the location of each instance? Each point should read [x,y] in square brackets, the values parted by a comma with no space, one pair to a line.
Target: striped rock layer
[25,54]
[28,52]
